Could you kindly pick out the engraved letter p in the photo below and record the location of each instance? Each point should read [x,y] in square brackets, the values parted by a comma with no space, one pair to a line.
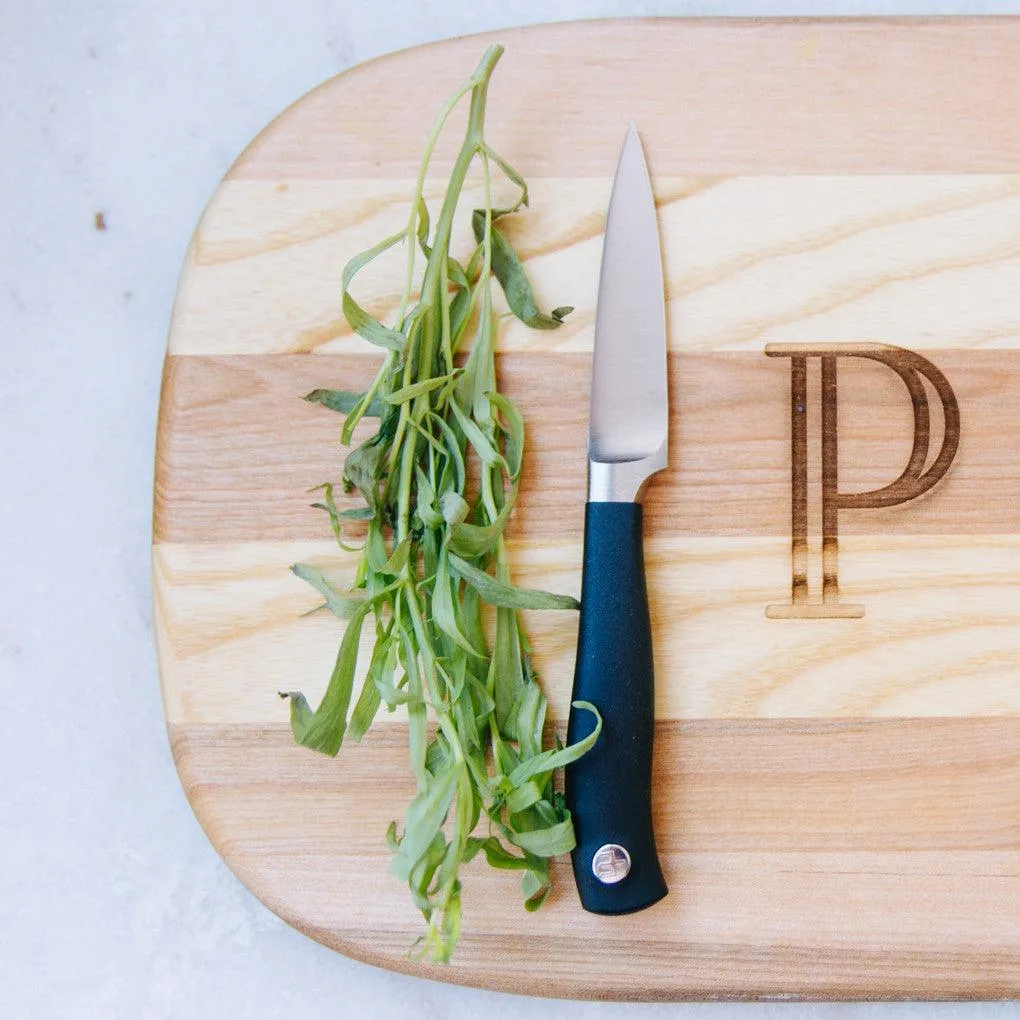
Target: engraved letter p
[914,480]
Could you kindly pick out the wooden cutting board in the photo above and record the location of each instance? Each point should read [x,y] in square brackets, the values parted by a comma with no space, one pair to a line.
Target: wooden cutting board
[837,795]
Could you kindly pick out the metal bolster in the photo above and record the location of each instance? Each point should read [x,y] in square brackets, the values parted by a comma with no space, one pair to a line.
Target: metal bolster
[622,481]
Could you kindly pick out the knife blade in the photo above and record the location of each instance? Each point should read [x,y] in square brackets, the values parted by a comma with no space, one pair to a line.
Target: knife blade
[608,790]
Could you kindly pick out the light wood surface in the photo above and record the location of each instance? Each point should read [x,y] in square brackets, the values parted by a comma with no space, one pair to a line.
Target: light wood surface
[944,609]
[933,261]
[837,801]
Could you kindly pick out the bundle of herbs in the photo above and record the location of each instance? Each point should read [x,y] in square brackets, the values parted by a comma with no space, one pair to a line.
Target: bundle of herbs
[439,479]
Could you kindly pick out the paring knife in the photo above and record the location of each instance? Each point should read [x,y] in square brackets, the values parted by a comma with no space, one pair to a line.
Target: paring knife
[608,790]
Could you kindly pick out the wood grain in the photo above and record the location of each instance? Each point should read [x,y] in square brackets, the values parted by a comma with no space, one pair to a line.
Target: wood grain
[924,262]
[837,801]
[730,96]
[862,785]
[938,637]
[748,916]
[238,449]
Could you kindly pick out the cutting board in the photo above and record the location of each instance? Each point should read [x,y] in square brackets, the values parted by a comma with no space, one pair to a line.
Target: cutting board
[837,766]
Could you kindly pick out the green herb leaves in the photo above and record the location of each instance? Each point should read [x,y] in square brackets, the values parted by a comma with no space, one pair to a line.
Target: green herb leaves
[498,594]
[323,729]
[507,268]
[342,400]
[438,481]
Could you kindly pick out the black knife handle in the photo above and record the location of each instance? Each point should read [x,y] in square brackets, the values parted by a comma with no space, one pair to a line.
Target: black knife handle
[608,789]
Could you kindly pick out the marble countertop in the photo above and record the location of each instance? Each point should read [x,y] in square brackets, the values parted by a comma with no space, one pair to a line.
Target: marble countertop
[118,121]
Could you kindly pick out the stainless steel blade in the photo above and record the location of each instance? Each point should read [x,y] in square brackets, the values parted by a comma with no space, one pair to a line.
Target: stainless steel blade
[627,437]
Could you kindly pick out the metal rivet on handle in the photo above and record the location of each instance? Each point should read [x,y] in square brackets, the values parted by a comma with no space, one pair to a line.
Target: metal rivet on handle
[611,863]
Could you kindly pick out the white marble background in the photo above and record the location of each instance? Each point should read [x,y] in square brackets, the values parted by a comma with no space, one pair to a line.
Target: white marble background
[112,902]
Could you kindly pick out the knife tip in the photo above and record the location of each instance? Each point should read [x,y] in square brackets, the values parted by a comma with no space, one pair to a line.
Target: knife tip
[632,147]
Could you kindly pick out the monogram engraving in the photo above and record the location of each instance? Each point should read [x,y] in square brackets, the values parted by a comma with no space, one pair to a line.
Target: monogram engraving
[915,479]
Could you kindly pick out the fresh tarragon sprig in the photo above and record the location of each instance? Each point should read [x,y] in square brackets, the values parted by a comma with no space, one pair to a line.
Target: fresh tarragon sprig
[434,553]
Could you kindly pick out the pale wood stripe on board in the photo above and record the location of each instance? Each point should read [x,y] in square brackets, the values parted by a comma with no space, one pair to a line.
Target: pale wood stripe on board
[938,637]
[923,262]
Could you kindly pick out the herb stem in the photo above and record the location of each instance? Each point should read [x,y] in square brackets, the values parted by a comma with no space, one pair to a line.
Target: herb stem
[419,193]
